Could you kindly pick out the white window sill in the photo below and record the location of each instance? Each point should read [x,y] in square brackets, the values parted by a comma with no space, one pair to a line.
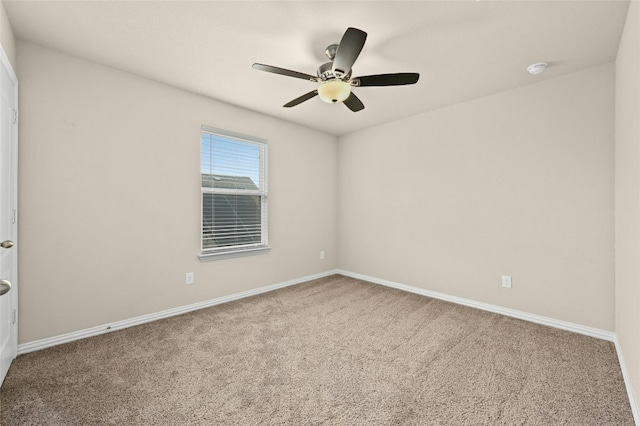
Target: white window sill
[220,255]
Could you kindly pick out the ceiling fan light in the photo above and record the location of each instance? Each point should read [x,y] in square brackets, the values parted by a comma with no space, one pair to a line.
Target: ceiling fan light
[333,91]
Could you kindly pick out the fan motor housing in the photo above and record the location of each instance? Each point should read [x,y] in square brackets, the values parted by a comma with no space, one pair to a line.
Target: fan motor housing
[325,72]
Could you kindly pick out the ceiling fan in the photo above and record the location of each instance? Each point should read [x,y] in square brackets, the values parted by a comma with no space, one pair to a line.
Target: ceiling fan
[335,76]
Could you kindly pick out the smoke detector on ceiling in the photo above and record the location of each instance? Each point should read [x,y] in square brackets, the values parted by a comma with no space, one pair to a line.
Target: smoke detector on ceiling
[537,68]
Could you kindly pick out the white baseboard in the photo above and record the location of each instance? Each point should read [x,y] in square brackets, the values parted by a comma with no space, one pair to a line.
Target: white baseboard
[119,325]
[538,319]
[563,325]
[627,381]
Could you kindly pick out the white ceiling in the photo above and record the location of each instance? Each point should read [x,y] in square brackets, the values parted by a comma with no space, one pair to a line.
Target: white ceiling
[462,49]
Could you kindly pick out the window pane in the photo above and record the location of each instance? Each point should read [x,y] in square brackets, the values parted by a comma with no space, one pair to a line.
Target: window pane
[234,191]
[230,220]
[231,164]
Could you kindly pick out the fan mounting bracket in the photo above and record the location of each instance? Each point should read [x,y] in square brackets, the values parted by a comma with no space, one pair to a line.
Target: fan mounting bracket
[330,51]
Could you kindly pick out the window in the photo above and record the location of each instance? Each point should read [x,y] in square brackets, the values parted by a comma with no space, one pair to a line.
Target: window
[234,194]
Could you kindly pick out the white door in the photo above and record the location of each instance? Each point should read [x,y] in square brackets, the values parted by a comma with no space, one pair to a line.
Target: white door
[8,215]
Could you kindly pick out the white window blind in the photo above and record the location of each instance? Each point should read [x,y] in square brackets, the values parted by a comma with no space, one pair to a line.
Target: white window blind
[234,191]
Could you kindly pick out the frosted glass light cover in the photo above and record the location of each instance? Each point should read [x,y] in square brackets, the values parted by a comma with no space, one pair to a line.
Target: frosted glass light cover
[334,91]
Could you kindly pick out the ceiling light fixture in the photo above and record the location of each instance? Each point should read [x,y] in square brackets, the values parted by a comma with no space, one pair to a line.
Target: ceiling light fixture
[333,91]
[537,68]
[334,77]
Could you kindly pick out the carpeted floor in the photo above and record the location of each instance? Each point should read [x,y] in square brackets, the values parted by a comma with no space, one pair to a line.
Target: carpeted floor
[334,351]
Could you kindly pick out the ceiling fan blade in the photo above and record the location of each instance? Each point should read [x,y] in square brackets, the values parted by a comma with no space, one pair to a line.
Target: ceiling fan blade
[282,71]
[348,50]
[354,103]
[398,79]
[301,99]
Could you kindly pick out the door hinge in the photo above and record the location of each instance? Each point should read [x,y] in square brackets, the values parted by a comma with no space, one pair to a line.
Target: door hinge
[15,116]
[14,316]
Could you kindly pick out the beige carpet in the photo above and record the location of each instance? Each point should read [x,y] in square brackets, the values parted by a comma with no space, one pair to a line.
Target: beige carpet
[334,351]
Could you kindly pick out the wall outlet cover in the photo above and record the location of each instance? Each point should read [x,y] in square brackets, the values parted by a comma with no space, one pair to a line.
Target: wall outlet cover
[506,281]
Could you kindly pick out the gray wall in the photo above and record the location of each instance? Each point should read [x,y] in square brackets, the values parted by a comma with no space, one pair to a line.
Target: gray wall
[7,39]
[519,183]
[109,197]
[627,196]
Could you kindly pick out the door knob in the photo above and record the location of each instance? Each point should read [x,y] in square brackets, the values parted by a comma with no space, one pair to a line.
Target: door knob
[5,286]
[6,244]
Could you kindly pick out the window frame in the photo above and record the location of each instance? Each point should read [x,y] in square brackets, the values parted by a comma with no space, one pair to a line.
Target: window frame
[240,250]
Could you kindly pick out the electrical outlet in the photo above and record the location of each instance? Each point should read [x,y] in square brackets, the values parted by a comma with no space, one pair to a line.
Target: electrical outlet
[189,278]
[506,281]
[322,255]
